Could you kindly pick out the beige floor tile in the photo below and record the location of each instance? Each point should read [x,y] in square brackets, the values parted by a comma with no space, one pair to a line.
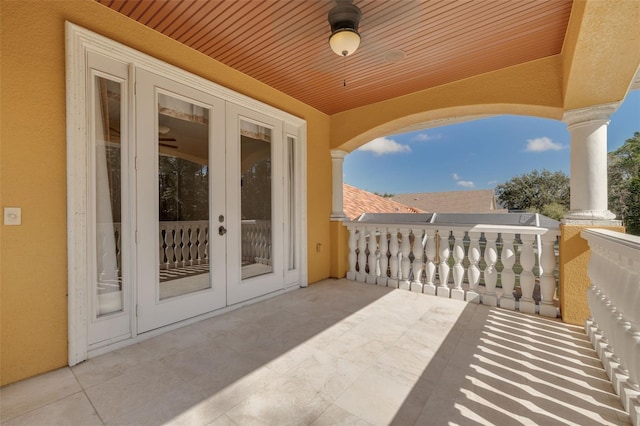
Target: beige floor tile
[374,398]
[113,364]
[328,374]
[72,410]
[183,405]
[335,415]
[336,353]
[223,420]
[173,341]
[224,393]
[286,401]
[122,394]
[22,397]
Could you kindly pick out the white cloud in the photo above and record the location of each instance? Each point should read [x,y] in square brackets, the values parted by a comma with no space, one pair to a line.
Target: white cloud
[424,137]
[492,182]
[542,144]
[381,146]
[462,183]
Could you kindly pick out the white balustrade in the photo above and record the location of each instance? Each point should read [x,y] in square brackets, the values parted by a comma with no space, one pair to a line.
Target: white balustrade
[418,261]
[458,270]
[490,273]
[393,258]
[547,276]
[430,269]
[527,279]
[256,241]
[425,257]
[473,273]
[443,268]
[362,256]
[353,257]
[405,246]
[373,255]
[183,244]
[614,300]
[383,260]
[186,243]
[508,276]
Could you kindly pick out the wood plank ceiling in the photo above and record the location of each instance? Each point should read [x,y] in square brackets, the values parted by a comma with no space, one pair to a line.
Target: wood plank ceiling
[407,45]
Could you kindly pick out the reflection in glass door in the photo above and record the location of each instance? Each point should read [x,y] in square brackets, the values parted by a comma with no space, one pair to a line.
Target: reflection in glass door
[255,199]
[183,194]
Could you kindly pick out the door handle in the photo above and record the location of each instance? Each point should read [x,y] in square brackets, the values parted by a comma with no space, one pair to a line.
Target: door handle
[222,230]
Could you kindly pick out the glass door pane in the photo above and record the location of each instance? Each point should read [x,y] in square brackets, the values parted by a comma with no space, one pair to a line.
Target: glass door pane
[255,199]
[183,197]
[108,198]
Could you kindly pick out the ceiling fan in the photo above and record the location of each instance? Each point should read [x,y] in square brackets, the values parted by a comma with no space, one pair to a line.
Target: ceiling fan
[162,140]
[163,130]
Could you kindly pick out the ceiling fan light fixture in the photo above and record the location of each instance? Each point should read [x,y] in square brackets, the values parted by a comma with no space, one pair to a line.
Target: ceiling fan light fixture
[344,41]
[344,19]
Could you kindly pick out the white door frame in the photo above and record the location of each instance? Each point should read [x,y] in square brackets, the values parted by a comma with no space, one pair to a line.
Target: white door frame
[79,42]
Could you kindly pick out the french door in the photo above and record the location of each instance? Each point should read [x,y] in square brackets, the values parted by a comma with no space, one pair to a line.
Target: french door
[180,167]
[209,204]
[184,197]
[255,204]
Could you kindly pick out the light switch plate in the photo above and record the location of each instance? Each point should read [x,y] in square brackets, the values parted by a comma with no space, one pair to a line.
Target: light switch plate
[12,216]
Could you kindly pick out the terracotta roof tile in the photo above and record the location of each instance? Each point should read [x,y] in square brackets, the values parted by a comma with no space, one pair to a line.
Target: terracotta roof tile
[357,201]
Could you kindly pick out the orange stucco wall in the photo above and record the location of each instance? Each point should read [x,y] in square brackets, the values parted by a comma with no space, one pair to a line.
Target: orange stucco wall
[534,89]
[599,64]
[33,167]
[575,255]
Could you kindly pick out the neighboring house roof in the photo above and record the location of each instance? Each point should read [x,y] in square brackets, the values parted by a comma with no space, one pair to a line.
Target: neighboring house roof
[357,201]
[476,201]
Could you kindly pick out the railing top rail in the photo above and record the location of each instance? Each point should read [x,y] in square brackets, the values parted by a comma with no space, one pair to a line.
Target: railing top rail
[618,241]
[505,229]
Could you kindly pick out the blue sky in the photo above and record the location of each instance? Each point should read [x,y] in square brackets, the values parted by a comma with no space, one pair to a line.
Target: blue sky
[474,155]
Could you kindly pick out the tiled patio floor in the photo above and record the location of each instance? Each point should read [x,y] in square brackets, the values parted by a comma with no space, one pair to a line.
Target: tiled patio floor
[337,352]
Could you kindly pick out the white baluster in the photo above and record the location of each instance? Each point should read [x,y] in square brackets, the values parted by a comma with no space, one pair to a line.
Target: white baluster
[353,256]
[430,268]
[473,272]
[270,243]
[458,270]
[490,274]
[405,247]
[507,276]
[383,261]
[169,241]
[443,268]
[418,261]
[206,243]
[393,258]
[527,279]
[547,278]
[373,255]
[362,255]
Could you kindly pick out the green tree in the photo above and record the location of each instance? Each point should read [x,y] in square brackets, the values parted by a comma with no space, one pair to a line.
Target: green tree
[624,183]
[541,192]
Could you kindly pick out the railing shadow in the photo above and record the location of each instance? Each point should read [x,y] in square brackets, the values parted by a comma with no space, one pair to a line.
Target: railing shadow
[509,378]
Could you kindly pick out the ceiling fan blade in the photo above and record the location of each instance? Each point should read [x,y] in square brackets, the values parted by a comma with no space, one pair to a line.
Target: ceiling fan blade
[166,145]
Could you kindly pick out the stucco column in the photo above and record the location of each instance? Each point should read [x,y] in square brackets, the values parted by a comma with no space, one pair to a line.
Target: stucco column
[339,233]
[589,206]
[337,207]
[588,128]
